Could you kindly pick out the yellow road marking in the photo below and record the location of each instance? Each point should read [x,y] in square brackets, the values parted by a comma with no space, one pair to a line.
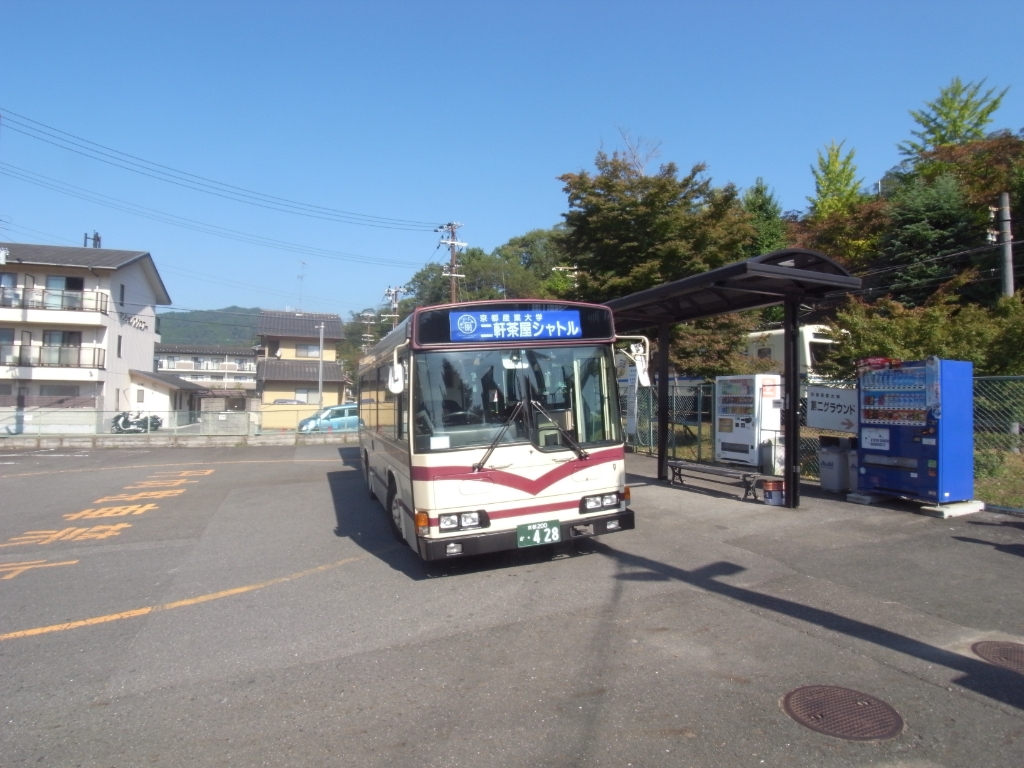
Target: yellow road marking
[176,603]
[179,464]
[16,569]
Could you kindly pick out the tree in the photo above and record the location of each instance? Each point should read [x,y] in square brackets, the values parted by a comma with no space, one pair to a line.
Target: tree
[539,252]
[770,230]
[626,230]
[836,186]
[957,116]
[927,223]
[991,338]
[497,275]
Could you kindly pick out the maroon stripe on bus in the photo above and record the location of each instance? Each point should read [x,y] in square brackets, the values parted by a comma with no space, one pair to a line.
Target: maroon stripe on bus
[520,483]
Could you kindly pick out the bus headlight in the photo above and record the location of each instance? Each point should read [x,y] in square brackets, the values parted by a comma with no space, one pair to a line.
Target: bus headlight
[599,502]
[470,520]
[448,522]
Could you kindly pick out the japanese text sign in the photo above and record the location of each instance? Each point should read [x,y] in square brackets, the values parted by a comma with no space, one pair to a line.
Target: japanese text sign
[512,326]
[833,409]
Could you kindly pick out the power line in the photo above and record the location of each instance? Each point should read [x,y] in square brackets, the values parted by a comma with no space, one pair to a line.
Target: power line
[46,182]
[76,144]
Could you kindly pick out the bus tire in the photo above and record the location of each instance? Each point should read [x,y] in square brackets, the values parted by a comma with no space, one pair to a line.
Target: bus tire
[394,510]
[369,476]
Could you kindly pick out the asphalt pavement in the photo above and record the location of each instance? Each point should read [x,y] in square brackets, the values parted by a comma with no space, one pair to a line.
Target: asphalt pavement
[248,606]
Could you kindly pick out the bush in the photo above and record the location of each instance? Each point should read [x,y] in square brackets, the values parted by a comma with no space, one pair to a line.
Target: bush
[989,463]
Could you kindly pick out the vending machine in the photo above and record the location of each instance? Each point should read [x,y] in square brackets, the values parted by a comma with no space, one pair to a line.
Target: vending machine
[748,412]
[916,429]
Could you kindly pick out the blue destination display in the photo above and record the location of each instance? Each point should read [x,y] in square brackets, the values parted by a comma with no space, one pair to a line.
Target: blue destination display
[510,326]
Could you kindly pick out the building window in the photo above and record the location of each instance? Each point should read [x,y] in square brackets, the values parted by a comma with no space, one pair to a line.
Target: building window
[58,390]
[62,338]
[307,350]
[119,346]
[302,395]
[120,299]
[141,396]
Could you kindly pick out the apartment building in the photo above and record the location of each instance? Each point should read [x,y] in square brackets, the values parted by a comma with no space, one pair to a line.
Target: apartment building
[73,323]
[290,354]
[220,367]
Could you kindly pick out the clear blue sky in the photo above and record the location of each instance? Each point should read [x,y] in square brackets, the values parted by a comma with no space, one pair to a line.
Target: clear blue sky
[438,111]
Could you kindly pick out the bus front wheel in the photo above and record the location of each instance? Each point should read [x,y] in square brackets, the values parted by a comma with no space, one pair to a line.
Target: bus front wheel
[369,477]
[394,508]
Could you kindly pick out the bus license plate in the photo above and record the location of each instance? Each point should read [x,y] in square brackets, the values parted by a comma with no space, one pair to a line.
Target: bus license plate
[534,534]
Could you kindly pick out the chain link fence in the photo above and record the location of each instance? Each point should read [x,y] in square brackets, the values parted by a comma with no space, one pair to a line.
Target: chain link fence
[998,416]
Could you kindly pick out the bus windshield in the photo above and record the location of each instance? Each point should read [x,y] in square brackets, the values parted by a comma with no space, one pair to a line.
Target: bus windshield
[463,399]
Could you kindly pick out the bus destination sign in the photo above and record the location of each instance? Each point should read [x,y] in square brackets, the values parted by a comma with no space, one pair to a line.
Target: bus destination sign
[512,326]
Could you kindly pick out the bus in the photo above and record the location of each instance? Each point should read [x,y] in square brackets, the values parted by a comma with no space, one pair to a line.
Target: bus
[489,426]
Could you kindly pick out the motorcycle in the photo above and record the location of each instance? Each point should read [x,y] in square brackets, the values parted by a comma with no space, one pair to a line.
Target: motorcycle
[125,423]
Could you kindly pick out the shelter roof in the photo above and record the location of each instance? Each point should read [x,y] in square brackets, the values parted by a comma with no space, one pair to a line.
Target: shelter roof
[792,274]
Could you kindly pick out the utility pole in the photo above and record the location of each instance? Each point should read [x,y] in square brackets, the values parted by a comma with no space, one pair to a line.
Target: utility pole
[320,370]
[1006,238]
[302,279]
[368,319]
[391,295]
[95,239]
[451,228]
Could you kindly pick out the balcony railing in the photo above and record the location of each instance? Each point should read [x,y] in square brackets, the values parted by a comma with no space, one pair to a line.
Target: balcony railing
[208,365]
[56,357]
[44,298]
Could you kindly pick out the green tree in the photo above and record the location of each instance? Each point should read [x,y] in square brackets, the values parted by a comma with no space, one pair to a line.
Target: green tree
[991,338]
[626,230]
[836,186]
[770,230]
[959,115]
[927,223]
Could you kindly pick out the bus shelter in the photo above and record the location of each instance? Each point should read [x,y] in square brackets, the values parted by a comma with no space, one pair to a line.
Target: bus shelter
[790,277]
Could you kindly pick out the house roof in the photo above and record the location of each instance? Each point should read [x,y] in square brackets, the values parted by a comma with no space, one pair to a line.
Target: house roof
[300,325]
[85,258]
[169,380]
[298,370]
[203,349]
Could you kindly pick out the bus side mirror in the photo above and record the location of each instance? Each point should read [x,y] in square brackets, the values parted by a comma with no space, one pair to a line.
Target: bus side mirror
[396,380]
[643,376]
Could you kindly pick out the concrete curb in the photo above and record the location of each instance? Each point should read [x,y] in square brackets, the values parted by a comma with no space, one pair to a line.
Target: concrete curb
[174,441]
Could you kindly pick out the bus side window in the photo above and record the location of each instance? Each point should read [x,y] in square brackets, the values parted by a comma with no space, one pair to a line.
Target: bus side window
[368,399]
[386,407]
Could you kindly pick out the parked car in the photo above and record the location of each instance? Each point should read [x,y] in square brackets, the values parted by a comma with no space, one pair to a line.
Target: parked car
[336,418]
[286,401]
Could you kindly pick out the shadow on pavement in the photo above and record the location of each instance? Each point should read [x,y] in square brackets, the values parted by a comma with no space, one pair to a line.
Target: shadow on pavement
[997,683]
[1010,549]
[364,521]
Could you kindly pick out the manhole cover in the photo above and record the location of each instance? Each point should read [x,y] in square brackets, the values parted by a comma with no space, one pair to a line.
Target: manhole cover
[843,713]
[1008,655]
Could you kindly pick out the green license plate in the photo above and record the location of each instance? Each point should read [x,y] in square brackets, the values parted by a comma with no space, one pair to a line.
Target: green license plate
[534,534]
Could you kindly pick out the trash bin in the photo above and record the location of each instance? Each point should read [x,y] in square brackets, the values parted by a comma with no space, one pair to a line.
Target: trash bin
[834,469]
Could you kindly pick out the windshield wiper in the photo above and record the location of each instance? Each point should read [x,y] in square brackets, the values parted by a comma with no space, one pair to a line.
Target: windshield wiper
[565,435]
[494,444]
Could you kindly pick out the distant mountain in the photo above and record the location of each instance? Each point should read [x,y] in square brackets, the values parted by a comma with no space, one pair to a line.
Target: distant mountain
[231,325]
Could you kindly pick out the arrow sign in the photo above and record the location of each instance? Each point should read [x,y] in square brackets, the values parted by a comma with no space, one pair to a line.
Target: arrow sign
[833,409]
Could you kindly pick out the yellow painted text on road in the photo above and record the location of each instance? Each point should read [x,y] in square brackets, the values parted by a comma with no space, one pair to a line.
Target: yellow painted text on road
[141,495]
[67,534]
[122,511]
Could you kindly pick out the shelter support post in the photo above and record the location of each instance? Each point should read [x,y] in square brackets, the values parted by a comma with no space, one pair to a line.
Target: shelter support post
[664,334]
[791,403]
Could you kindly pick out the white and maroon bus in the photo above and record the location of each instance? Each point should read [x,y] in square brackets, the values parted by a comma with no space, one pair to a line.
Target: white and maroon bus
[488,426]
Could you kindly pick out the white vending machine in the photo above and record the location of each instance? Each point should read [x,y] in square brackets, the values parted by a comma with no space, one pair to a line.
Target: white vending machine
[748,412]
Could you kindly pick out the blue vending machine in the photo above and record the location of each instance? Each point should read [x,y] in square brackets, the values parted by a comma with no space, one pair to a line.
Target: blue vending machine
[916,429]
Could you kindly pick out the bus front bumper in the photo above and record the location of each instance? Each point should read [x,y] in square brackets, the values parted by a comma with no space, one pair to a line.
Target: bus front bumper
[484,542]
